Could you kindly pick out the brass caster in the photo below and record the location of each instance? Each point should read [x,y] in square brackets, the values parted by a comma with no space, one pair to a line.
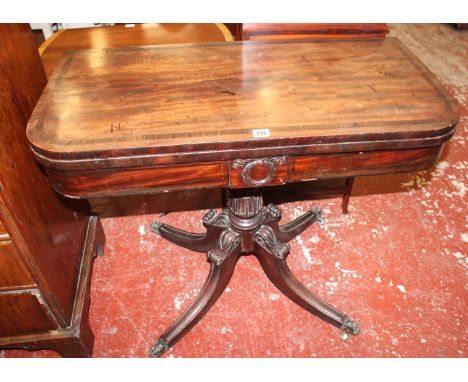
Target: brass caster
[319,215]
[158,349]
[350,328]
[155,226]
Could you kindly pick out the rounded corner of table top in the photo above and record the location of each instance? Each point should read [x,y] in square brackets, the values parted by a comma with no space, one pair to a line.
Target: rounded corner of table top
[51,135]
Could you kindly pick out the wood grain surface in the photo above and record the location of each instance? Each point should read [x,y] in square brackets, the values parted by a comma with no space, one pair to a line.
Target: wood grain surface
[150,179]
[48,235]
[256,31]
[120,107]
[13,273]
[118,36]
[3,232]
[135,180]
[303,168]
[23,312]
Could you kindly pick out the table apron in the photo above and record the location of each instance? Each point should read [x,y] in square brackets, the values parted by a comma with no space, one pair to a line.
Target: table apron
[242,173]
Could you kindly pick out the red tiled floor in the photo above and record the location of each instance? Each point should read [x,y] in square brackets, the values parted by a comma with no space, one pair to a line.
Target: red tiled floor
[397,263]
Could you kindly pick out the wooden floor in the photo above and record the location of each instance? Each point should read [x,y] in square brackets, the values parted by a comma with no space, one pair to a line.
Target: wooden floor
[125,35]
[397,263]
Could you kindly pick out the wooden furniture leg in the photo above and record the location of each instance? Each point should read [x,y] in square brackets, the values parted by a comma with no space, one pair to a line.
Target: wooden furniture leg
[275,267]
[347,195]
[245,228]
[290,230]
[223,262]
[194,241]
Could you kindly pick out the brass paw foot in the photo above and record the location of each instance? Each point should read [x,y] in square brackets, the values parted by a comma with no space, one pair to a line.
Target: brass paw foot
[155,226]
[350,328]
[158,349]
[319,218]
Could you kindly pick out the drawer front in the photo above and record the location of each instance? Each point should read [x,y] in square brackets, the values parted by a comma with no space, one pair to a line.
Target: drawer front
[362,163]
[13,273]
[259,172]
[23,313]
[3,232]
[145,179]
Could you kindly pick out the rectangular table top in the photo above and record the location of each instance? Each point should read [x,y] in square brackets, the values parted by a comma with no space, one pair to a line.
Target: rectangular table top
[109,107]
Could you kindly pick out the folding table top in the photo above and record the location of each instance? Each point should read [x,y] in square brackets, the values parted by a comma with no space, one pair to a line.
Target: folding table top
[221,98]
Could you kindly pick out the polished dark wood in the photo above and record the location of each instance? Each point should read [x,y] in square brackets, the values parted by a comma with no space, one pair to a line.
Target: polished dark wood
[314,97]
[119,36]
[244,173]
[21,69]
[3,232]
[143,179]
[39,228]
[47,232]
[362,163]
[301,30]
[13,272]
[245,116]
[76,339]
[329,31]
[347,195]
[235,29]
[245,228]
[146,179]
[22,312]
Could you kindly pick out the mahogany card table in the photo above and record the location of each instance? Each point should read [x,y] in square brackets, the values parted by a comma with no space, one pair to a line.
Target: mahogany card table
[240,116]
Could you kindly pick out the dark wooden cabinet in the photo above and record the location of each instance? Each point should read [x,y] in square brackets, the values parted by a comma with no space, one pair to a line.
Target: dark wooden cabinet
[46,242]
